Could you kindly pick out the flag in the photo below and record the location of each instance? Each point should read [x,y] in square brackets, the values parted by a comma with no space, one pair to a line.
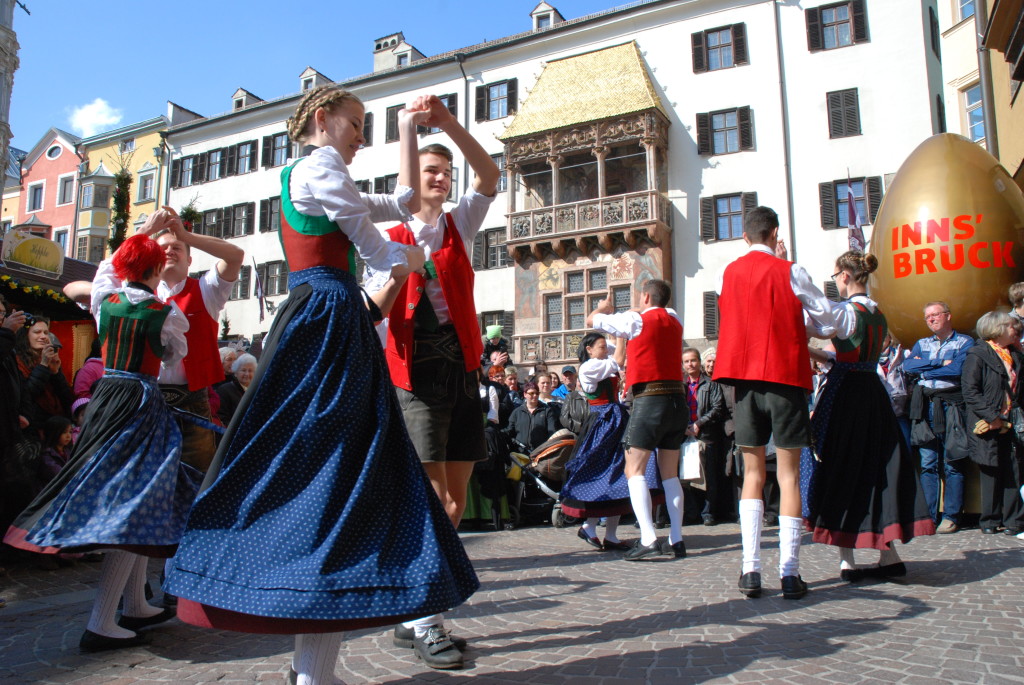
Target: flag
[259,288]
[853,218]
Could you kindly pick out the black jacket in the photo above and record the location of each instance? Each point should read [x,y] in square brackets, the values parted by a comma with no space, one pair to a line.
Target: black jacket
[711,410]
[10,390]
[984,383]
[532,429]
[230,392]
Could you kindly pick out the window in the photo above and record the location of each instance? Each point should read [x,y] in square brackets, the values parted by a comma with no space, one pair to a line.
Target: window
[54,152]
[496,100]
[274,278]
[5,226]
[385,184]
[453,191]
[577,178]
[940,115]
[553,312]
[843,113]
[35,197]
[451,101]
[489,249]
[239,103]
[212,223]
[543,21]
[725,132]
[61,238]
[499,161]
[721,217]
[975,115]
[241,219]
[90,249]
[831,291]
[581,293]
[87,196]
[966,8]
[270,214]
[101,197]
[933,23]
[710,314]
[834,199]
[246,156]
[363,186]
[719,48]
[368,129]
[127,145]
[66,191]
[214,159]
[403,59]
[622,298]
[275,150]
[187,167]
[836,26]
[307,84]
[391,123]
[145,187]
[536,180]
[625,169]
[240,291]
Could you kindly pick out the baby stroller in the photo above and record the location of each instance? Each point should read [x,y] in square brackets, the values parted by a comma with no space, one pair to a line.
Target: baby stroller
[537,480]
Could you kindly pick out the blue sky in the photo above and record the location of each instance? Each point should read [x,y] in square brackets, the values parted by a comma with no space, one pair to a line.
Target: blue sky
[95,66]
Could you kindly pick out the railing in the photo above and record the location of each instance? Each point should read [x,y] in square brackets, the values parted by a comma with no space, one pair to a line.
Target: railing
[588,215]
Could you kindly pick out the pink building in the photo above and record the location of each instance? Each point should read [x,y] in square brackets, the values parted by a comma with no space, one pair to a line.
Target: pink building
[49,187]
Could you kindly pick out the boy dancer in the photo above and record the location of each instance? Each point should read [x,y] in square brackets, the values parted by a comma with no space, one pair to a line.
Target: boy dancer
[434,345]
[762,351]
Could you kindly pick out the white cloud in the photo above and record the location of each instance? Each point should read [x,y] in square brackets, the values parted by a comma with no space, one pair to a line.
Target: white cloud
[97,116]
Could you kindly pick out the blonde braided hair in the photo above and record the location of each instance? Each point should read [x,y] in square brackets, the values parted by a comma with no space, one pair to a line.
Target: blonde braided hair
[329,97]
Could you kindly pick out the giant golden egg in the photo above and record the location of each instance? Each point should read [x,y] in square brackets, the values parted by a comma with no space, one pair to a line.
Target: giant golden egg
[950,228]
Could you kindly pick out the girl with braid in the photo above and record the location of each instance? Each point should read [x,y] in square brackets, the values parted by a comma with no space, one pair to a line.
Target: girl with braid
[865,491]
[316,516]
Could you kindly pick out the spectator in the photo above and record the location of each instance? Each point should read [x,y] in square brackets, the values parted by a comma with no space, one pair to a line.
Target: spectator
[990,383]
[78,408]
[938,362]
[57,439]
[242,371]
[496,379]
[489,403]
[495,347]
[228,355]
[543,382]
[568,383]
[708,361]
[90,373]
[532,422]
[1016,295]
[707,423]
[12,497]
[45,391]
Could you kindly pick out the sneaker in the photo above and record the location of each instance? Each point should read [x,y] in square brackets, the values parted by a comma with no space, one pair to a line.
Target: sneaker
[947,526]
[437,650]
[641,551]
[750,584]
[793,587]
[402,637]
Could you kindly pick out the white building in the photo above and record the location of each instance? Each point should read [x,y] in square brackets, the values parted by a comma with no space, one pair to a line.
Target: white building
[631,158]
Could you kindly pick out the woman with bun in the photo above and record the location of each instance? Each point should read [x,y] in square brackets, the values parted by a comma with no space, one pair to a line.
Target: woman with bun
[865,491]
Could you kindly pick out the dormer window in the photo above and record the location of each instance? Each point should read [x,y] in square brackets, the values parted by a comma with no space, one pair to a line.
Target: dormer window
[543,21]
[239,103]
[307,84]
[403,59]
[127,145]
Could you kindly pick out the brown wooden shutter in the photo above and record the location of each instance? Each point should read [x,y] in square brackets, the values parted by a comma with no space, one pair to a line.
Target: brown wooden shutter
[746,125]
[199,169]
[513,96]
[940,114]
[739,44]
[707,218]
[704,134]
[478,251]
[219,232]
[874,193]
[227,224]
[391,126]
[253,150]
[831,291]
[368,129]
[859,14]
[481,103]
[710,314]
[250,219]
[827,198]
[231,161]
[815,41]
[380,185]
[851,112]
[268,150]
[508,326]
[176,173]
[453,104]
[748,201]
[835,114]
[700,62]
[264,216]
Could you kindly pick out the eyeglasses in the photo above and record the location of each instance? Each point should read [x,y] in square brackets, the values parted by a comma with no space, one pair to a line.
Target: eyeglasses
[930,317]
[836,275]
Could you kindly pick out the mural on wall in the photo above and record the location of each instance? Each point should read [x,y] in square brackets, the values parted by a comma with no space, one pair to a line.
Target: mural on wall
[550,275]
[527,299]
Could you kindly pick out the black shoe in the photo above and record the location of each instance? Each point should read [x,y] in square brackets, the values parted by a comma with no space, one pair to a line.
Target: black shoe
[989,530]
[888,571]
[771,519]
[437,649]
[94,642]
[793,587]
[139,622]
[851,575]
[641,551]
[750,584]
[1011,531]
[617,546]
[709,520]
[593,542]
[676,549]
[402,637]
[169,601]
[293,677]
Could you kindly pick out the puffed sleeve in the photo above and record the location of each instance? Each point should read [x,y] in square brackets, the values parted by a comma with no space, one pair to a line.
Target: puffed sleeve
[392,207]
[172,336]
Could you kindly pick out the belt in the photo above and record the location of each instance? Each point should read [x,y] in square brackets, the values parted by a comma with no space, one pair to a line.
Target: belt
[658,388]
[442,344]
[179,395]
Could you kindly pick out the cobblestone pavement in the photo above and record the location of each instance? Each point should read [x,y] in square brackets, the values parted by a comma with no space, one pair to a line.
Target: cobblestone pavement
[553,611]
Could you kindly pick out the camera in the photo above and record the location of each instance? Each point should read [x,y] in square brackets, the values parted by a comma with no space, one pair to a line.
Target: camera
[29,320]
[55,342]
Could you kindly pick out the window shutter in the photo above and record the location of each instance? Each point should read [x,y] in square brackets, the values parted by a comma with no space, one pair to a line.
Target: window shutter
[282,280]
[368,129]
[481,103]
[707,218]
[453,104]
[835,114]
[231,161]
[748,201]
[746,128]
[250,219]
[268,142]
[815,41]
[379,185]
[827,198]
[710,314]
[252,155]
[704,134]
[859,14]
[940,114]
[264,216]
[478,251]
[739,44]
[224,152]
[218,232]
[176,173]
[831,291]
[508,325]
[700,63]
[851,112]
[513,95]
[391,126]
[199,170]
[874,193]
[227,226]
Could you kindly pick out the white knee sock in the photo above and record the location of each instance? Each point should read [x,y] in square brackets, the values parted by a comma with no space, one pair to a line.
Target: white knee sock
[590,526]
[135,604]
[790,530]
[674,503]
[317,655]
[751,520]
[117,566]
[611,526]
[889,556]
[421,625]
[640,498]
[846,561]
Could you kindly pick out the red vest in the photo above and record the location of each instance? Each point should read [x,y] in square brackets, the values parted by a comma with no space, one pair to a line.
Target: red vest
[203,367]
[657,353]
[455,274]
[761,332]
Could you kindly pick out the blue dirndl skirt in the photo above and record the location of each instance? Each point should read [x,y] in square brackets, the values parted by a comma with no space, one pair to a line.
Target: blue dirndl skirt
[316,507]
[124,486]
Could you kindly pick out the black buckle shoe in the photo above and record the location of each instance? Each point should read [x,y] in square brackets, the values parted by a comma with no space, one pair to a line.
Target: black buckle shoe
[138,622]
[793,587]
[593,542]
[852,575]
[94,642]
[641,551]
[402,637]
[676,549]
[437,649]
[750,584]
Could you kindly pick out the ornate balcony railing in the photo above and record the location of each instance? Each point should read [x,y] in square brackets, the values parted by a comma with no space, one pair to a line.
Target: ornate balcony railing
[587,216]
[551,347]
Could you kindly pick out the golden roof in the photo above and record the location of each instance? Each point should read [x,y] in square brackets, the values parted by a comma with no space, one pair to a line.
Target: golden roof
[589,87]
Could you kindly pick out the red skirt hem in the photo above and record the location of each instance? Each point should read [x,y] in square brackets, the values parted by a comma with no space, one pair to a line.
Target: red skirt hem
[870,539]
[15,537]
[206,616]
[602,510]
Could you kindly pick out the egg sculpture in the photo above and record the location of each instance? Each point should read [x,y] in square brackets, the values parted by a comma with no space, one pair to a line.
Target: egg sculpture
[950,228]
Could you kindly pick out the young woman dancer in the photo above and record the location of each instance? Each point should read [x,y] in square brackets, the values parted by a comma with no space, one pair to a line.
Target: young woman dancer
[595,484]
[865,492]
[316,515]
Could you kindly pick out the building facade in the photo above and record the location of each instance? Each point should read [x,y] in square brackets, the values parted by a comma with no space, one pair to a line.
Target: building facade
[49,183]
[1004,39]
[8,65]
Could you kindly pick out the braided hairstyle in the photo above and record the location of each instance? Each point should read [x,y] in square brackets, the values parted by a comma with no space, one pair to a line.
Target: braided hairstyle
[329,97]
[858,263]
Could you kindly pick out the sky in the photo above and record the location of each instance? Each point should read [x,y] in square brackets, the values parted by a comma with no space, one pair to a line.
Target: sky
[89,67]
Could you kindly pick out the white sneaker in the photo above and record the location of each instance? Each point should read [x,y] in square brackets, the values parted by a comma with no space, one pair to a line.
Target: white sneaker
[1019,536]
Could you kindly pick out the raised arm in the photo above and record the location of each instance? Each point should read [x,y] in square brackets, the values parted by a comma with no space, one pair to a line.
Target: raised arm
[229,256]
[487,172]
[408,154]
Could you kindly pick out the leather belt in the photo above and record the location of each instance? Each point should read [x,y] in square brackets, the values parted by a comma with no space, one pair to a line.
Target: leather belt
[658,388]
[444,344]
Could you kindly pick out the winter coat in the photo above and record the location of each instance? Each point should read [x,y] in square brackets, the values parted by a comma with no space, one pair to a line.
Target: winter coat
[984,384]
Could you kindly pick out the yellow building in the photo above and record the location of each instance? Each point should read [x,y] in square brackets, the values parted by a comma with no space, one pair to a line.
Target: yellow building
[1003,38]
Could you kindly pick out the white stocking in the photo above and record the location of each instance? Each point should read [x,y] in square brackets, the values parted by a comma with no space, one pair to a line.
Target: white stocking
[751,520]
[317,654]
[674,503]
[135,604]
[590,526]
[846,562]
[790,530]
[117,566]
[640,498]
[611,526]
[889,556]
